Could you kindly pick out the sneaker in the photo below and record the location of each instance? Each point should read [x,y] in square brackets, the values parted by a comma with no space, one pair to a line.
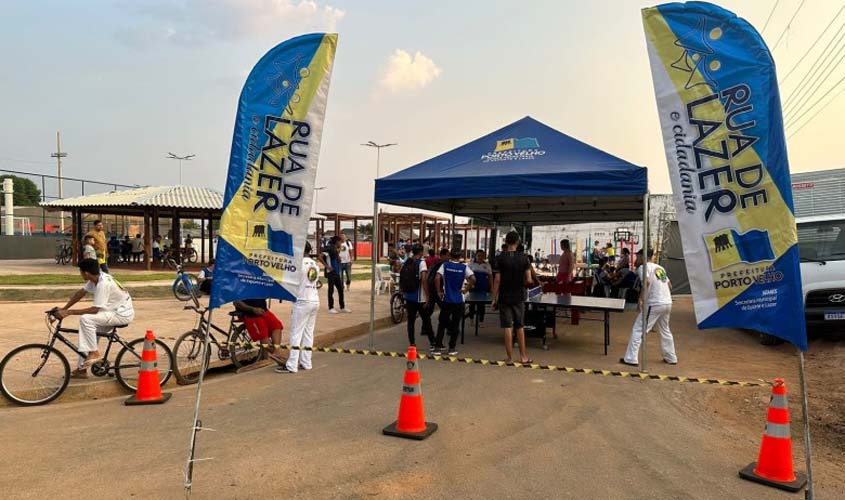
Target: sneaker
[283,369]
[670,362]
[79,373]
[347,311]
[435,351]
[453,352]
[303,368]
[431,348]
[333,311]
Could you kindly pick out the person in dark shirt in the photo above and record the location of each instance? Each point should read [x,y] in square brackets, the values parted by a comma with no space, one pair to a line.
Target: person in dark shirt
[331,261]
[263,326]
[513,272]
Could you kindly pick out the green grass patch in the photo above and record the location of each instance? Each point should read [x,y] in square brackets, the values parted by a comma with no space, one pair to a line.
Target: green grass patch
[61,295]
[74,279]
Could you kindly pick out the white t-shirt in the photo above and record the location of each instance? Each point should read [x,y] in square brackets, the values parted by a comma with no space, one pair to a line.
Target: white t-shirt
[308,285]
[344,253]
[138,245]
[659,292]
[109,295]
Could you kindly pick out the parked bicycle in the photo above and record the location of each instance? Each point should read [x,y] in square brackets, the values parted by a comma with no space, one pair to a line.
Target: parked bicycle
[35,374]
[397,300]
[64,252]
[233,344]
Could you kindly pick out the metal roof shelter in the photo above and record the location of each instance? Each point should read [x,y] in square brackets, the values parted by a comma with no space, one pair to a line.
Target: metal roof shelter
[150,203]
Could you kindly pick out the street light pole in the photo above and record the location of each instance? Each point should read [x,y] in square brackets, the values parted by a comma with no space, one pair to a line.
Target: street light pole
[376,239]
[58,155]
[171,156]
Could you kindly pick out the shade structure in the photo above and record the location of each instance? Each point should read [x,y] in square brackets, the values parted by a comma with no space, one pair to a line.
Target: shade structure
[525,172]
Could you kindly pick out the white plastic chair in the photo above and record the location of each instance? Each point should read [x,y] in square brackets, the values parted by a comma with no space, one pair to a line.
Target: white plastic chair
[382,279]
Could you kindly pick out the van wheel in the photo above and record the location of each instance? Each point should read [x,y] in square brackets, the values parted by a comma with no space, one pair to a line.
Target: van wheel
[767,339]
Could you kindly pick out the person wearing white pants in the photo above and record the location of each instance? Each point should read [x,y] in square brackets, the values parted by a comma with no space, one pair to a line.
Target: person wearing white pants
[304,317]
[658,309]
[112,307]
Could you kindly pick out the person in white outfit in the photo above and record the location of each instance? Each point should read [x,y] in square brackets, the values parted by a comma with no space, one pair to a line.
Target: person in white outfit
[304,317]
[658,308]
[112,307]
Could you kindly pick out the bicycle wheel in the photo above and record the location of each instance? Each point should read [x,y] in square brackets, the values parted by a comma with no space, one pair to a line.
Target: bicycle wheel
[128,363]
[66,256]
[187,352]
[184,291]
[397,308]
[192,255]
[33,374]
[242,349]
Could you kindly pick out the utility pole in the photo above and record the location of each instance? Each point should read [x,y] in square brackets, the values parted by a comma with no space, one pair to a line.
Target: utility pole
[58,155]
[171,156]
[376,240]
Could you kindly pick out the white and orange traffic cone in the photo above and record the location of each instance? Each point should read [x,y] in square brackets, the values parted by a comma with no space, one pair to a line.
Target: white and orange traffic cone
[411,423]
[149,388]
[774,464]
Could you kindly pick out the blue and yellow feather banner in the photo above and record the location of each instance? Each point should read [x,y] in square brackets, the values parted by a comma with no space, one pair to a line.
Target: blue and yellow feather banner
[272,169]
[720,113]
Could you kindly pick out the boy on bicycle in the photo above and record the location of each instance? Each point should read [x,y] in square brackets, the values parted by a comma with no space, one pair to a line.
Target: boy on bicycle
[112,307]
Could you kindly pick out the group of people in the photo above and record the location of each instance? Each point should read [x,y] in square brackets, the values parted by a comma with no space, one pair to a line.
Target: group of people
[106,251]
[440,281]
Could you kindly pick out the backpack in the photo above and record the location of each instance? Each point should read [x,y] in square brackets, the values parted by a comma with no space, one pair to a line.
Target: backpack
[432,274]
[409,276]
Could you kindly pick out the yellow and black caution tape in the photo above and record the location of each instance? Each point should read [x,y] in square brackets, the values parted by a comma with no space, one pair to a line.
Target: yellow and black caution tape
[530,366]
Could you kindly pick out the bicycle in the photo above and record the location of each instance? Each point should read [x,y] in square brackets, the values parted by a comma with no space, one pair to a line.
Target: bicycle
[185,286]
[236,346]
[189,254]
[397,300]
[35,374]
[63,252]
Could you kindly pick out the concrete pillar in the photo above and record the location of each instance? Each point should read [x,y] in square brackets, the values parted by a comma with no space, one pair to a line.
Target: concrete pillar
[9,203]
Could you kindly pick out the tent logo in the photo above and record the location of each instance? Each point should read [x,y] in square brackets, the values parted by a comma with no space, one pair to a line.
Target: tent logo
[525,148]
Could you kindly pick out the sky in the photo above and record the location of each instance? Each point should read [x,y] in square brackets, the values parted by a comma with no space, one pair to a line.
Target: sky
[126,82]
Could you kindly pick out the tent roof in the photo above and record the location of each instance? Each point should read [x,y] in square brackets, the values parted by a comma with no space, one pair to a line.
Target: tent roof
[523,172]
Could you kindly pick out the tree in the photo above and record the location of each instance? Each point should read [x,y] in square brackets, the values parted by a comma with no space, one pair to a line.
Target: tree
[26,194]
[366,231]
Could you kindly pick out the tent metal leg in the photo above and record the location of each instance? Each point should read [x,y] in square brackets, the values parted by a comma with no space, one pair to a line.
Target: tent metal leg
[644,286]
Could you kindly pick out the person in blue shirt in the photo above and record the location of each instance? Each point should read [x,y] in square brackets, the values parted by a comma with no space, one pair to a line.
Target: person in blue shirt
[449,283]
[416,301]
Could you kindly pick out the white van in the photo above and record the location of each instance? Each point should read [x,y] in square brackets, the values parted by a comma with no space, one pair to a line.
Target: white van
[821,245]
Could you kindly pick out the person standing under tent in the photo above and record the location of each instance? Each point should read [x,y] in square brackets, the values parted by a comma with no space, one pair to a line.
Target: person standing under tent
[304,317]
[483,273]
[512,275]
[346,255]
[657,308]
[88,249]
[449,284]
[567,263]
[625,259]
[413,281]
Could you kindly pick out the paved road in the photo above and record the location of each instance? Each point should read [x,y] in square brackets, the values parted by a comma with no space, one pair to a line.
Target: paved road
[504,433]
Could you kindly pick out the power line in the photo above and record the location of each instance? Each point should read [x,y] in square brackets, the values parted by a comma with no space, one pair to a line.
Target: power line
[812,46]
[770,17]
[818,82]
[813,116]
[789,24]
[815,67]
[831,89]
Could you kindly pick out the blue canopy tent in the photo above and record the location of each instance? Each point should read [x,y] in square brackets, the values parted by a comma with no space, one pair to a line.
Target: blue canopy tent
[525,172]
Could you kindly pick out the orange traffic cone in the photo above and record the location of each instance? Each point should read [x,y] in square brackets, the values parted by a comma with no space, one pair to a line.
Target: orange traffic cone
[411,423]
[149,389]
[774,465]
